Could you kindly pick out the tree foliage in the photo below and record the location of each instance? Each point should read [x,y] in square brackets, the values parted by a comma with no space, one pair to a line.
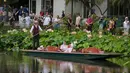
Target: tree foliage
[89,4]
[12,1]
[125,3]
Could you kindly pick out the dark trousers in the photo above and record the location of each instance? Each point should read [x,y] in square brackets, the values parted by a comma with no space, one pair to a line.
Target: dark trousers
[11,22]
[112,31]
[69,27]
[89,28]
[36,42]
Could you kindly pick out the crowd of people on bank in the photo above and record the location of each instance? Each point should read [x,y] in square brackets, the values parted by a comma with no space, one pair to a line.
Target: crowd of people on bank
[13,15]
[26,19]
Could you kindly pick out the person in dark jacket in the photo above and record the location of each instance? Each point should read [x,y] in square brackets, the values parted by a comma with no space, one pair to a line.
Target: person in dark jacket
[35,31]
[63,14]
[70,22]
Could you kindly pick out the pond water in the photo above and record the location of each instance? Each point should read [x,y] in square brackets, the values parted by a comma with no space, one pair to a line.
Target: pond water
[24,64]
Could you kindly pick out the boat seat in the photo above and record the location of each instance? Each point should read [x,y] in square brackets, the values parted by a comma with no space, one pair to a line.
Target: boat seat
[52,48]
[90,50]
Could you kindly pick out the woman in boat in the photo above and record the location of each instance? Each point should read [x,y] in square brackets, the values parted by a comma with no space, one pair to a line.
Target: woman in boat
[35,31]
[66,48]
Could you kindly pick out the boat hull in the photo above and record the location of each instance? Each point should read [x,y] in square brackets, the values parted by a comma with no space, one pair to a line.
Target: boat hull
[78,56]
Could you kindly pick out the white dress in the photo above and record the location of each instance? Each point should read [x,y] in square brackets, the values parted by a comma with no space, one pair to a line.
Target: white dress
[21,22]
[126,27]
[28,21]
[78,20]
[63,47]
[66,49]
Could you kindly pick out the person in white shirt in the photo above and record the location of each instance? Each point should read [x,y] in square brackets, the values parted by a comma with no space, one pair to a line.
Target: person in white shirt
[22,21]
[63,47]
[27,20]
[47,20]
[78,19]
[126,26]
[35,31]
[66,48]
[70,48]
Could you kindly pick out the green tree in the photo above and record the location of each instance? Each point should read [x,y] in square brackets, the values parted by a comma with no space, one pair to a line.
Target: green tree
[126,3]
[124,6]
[11,1]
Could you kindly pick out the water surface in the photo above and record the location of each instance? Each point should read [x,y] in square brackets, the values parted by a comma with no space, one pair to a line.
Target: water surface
[25,64]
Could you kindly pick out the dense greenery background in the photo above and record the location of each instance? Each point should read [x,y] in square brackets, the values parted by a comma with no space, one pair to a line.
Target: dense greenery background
[19,39]
[15,39]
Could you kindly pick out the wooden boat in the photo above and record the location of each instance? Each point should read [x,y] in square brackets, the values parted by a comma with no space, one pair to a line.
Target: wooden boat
[73,55]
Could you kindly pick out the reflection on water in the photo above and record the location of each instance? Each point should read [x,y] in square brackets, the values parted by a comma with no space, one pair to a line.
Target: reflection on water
[11,64]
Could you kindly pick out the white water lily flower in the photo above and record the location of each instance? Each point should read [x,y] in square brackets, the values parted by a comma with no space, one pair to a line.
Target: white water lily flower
[50,30]
[14,30]
[73,32]
[9,31]
[88,32]
[24,30]
[100,36]
[100,33]
[75,42]
[89,35]
[119,37]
